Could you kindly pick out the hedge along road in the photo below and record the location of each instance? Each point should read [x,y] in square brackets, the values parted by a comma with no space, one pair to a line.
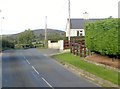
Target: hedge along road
[30,68]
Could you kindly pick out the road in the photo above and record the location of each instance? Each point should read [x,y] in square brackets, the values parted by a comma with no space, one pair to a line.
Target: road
[31,68]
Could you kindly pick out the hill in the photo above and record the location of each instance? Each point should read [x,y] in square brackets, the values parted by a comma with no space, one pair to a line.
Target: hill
[40,33]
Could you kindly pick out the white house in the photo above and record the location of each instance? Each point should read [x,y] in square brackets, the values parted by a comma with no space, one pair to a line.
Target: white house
[77,26]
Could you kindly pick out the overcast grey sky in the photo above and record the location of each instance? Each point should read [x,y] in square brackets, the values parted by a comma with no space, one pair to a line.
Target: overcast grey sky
[23,14]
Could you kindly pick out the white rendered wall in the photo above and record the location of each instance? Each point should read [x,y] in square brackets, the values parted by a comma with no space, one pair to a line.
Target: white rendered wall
[74,32]
[56,45]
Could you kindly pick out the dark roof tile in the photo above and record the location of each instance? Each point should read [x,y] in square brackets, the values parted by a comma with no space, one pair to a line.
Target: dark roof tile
[79,23]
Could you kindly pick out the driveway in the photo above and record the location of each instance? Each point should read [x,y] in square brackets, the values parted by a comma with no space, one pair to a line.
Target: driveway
[49,52]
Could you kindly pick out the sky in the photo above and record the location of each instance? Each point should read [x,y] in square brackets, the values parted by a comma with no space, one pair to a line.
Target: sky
[20,15]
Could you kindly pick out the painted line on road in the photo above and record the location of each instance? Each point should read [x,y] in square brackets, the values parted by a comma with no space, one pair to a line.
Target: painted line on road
[24,57]
[35,70]
[47,82]
[27,61]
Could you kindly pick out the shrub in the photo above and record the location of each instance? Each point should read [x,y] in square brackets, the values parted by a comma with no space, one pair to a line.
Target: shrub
[7,43]
[102,36]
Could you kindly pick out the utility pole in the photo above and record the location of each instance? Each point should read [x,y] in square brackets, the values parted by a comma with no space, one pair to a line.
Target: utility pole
[2,18]
[69,19]
[1,23]
[45,40]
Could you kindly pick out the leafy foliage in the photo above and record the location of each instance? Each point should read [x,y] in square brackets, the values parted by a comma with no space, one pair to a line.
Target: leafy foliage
[102,36]
[26,37]
[55,37]
[6,43]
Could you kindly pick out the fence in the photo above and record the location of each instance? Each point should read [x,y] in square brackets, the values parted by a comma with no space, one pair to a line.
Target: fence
[77,47]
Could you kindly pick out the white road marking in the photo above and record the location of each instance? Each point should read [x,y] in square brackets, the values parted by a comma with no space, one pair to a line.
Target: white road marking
[27,61]
[47,82]
[38,73]
[24,57]
[35,70]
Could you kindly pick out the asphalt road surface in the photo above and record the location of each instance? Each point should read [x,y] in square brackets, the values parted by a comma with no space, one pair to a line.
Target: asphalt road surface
[31,68]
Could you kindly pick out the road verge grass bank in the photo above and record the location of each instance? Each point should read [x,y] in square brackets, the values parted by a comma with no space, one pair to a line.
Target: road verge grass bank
[99,71]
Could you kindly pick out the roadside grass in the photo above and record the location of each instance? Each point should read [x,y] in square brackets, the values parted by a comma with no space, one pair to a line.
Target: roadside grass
[99,71]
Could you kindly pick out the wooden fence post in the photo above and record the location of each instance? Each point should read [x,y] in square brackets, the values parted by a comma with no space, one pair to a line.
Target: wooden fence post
[71,46]
[84,51]
[77,48]
[74,48]
[80,49]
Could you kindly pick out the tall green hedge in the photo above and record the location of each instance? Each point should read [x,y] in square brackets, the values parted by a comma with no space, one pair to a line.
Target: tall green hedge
[102,36]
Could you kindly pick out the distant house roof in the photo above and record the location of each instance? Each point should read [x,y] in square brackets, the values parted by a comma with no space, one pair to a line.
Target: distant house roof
[79,23]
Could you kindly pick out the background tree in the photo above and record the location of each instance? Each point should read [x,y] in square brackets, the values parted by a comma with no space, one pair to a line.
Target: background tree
[26,37]
[55,37]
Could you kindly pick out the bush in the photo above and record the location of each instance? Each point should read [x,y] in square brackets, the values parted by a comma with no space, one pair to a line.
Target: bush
[7,43]
[102,36]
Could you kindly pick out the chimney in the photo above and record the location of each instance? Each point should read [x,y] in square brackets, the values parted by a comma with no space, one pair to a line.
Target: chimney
[86,15]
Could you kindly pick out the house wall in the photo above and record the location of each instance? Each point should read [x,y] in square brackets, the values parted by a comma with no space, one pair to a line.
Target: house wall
[74,32]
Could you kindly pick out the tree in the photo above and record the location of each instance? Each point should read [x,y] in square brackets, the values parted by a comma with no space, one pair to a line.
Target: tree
[55,37]
[26,37]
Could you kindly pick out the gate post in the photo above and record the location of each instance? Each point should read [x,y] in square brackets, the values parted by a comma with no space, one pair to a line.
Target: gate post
[70,46]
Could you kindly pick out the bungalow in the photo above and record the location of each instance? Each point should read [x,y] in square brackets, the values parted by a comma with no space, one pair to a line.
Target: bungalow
[77,26]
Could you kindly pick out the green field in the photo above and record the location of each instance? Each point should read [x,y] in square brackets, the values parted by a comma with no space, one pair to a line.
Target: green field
[99,71]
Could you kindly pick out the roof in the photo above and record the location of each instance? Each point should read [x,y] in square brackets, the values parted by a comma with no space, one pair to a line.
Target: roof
[79,23]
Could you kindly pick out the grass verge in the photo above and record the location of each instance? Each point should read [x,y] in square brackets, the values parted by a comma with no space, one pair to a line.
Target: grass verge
[99,71]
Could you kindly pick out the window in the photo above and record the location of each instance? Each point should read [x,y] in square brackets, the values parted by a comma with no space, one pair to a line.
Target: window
[81,31]
[81,34]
